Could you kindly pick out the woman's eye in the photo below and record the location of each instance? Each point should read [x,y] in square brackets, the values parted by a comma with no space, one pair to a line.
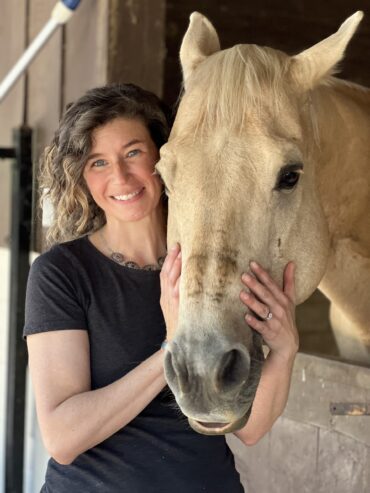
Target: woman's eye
[99,163]
[133,153]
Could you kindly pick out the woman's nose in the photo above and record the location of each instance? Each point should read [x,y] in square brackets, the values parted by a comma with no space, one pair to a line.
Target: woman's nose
[120,172]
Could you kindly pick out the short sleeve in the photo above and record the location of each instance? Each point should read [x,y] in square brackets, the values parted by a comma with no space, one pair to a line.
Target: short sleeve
[53,299]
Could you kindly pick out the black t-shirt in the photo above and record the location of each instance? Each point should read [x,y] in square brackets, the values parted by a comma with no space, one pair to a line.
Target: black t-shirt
[74,286]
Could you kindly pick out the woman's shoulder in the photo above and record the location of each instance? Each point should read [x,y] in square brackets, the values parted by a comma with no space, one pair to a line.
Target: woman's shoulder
[64,256]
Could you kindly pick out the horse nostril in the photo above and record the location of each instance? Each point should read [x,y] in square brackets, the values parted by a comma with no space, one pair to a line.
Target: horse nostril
[176,370]
[233,370]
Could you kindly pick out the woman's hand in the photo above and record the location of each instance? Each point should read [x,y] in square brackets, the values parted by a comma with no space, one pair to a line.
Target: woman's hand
[170,282]
[275,307]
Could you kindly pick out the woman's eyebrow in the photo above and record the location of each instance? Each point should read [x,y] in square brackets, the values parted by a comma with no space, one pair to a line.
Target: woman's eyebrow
[129,144]
[132,142]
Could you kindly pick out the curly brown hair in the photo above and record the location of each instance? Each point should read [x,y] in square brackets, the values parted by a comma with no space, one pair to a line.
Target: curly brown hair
[62,164]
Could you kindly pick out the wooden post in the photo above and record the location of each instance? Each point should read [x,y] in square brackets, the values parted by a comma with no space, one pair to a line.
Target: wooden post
[137,43]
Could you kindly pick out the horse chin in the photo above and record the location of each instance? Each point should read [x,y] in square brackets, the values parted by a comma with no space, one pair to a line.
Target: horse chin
[219,428]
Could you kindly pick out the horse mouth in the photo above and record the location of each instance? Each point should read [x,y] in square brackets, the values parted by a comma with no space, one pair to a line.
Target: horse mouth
[218,428]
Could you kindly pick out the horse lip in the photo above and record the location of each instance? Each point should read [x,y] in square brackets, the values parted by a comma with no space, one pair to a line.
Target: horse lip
[213,429]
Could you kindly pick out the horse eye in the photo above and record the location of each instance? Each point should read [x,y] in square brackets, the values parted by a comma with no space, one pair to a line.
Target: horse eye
[289,177]
[288,180]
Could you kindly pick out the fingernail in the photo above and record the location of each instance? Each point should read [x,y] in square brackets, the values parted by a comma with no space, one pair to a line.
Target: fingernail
[248,318]
[246,277]
[173,248]
[254,264]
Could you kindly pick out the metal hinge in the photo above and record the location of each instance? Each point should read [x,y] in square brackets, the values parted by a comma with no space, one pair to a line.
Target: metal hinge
[350,408]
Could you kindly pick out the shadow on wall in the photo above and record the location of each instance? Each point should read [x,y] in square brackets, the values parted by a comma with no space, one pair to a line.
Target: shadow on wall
[315,333]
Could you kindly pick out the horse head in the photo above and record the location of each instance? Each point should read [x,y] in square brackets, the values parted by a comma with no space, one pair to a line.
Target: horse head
[239,170]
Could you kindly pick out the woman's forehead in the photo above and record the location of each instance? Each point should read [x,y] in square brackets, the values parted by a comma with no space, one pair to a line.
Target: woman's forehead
[124,130]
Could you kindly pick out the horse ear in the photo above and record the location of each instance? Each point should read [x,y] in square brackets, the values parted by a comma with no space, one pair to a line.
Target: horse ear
[310,66]
[200,41]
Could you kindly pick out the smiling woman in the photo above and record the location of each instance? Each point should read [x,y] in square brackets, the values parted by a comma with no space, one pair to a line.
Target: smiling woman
[101,314]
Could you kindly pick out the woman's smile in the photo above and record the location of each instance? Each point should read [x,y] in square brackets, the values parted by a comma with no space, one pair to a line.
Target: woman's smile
[128,198]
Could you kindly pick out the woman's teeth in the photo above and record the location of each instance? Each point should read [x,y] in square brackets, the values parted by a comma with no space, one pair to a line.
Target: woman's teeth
[128,196]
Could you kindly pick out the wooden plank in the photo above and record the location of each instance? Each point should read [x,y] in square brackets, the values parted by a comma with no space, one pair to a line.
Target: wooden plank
[86,50]
[44,90]
[12,42]
[136,45]
[44,81]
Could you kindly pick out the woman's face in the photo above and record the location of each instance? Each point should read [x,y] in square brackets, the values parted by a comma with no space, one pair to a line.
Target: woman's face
[119,170]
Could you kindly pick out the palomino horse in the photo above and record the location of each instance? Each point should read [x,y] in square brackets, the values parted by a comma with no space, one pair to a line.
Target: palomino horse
[268,160]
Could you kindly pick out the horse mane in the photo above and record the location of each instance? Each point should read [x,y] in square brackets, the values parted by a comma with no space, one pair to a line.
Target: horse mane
[237,81]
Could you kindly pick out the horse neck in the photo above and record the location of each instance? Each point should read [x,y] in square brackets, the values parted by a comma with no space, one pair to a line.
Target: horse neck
[343,119]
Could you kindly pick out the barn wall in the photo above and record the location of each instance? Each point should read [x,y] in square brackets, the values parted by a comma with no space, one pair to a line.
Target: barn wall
[309,450]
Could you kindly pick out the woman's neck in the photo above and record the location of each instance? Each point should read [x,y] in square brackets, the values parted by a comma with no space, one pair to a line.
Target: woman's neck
[141,241]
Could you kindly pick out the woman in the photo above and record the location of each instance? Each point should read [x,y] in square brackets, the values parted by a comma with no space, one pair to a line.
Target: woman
[94,323]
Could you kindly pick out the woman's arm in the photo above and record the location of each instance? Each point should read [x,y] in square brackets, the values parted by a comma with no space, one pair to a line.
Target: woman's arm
[72,417]
[281,335]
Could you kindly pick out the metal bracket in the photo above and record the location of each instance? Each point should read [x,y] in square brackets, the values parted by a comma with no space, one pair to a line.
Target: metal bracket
[350,408]
[7,153]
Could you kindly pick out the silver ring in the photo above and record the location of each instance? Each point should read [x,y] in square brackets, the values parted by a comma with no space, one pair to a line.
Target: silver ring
[269,316]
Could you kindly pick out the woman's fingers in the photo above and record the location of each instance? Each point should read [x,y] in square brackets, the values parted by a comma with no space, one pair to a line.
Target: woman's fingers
[289,283]
[261,291]
[170,258]
[268,333]
[170,280]
[263,276]
[255,305]
[175,271]
[275,307]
